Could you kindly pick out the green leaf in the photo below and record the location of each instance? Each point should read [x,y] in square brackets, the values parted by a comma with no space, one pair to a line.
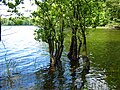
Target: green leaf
[11,5]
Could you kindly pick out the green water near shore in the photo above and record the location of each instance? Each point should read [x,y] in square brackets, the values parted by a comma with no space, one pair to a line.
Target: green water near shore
[104,51]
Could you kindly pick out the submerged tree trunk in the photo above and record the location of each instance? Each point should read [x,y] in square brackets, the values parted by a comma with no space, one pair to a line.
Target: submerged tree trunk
[58,53]
[84,42]
[56,47]
[73,55]
[76,43]
[55,55]
[83,29]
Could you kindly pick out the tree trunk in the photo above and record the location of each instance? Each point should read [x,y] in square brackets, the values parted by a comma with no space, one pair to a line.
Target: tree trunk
[79,47]
[74,48]
[51,52]
[72,55]
[60,46]
[84,42]
[55,51]
[58,53]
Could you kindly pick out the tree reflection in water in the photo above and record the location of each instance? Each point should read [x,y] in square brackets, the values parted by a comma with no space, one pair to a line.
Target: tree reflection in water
[54,77]
[50,78]
[79,70]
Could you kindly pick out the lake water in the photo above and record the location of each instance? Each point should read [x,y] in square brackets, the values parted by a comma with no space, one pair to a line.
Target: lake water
[25,65]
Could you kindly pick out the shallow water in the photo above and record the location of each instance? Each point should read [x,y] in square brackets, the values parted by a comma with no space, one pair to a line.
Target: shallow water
[104,51]
[24,65]
[20,55]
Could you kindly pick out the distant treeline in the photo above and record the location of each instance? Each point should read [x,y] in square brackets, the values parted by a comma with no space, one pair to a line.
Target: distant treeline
[16,21]
[29,21]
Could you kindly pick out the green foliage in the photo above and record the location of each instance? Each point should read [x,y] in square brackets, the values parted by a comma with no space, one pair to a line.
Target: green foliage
[113,10]
[49,20]
[50,17]
[16,21]
[12,6]
[17,2]
[48,14]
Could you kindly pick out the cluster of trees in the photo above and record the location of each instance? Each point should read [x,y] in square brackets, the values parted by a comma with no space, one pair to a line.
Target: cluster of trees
[16,21]
[57,17]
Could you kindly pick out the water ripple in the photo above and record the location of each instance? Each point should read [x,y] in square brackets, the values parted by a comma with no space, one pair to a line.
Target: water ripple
[20,49]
